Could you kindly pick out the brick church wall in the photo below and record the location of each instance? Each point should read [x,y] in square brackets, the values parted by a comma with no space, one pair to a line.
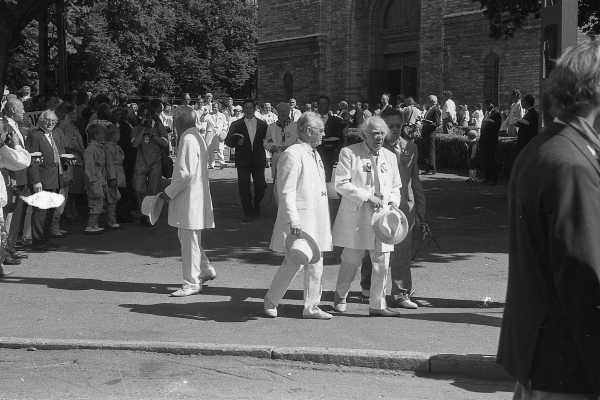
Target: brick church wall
[329,51]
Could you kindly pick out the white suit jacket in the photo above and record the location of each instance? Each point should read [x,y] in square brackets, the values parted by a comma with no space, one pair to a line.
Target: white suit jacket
[302,195]
[191,204]
[354,181]
[13,160]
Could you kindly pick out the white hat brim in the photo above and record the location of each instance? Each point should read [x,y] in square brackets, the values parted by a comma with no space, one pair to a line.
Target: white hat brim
[289,240]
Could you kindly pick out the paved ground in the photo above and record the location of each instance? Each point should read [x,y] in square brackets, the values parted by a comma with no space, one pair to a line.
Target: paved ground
[80,374]
[115,286]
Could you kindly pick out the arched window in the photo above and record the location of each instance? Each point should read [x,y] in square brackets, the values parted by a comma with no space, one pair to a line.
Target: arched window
[491,77]
[288,85]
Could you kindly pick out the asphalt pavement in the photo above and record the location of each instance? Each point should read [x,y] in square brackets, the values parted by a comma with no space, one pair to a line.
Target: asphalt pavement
[115,286]
[80,374]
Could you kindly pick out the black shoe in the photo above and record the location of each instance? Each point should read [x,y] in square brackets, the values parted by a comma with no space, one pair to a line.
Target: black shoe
[383,313]
[43,247]
[11,261]
[247,220]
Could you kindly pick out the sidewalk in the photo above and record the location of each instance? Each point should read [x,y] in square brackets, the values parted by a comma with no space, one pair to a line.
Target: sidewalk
[115,286]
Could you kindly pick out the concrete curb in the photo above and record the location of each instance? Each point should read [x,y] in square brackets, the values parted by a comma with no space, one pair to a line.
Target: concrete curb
[471,365]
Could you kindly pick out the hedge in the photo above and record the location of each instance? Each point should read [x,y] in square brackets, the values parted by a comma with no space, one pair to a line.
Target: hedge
[451,152]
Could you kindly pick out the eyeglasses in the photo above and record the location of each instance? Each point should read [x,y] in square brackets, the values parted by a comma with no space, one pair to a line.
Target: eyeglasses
[50,121]
[320,130]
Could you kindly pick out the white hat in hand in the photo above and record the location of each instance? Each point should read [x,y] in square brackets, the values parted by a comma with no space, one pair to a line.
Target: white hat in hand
[152,207]
[390,225]
[302,249]
[44,200]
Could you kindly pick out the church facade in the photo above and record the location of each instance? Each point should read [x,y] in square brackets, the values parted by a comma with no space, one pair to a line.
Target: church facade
[358,49]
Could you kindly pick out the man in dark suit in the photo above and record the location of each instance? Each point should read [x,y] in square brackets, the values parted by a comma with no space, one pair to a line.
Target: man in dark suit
[247,135]
[488,142]
[334,139]
[550,338]
[529,124]
[43,174]
[431,121]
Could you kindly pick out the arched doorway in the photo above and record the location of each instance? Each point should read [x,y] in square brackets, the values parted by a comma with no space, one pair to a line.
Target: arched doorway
[288,85]
[395,43]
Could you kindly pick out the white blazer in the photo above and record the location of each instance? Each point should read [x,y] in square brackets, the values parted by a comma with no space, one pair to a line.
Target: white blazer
[191,204]
[13,160]
[354,181]
[302,195]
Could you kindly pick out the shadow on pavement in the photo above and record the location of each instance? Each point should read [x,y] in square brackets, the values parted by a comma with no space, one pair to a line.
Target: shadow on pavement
[94,284]
[219,311]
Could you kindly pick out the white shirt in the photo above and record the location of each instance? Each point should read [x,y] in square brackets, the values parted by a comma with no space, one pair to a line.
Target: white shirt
[295,113]
[201,120]
[449,110]
[217,122]
[478,118]
[251,126]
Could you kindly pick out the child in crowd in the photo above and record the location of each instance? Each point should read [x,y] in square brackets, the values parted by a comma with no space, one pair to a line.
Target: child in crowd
[115,175]
[94,159]
[472,150]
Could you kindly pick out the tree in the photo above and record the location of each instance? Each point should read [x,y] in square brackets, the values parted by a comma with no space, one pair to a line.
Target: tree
[507,16]
[148,47]
[15,15]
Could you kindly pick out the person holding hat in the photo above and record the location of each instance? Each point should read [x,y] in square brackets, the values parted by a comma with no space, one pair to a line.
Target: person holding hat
[190,203]
[299,231]
[368,180]
[412,204]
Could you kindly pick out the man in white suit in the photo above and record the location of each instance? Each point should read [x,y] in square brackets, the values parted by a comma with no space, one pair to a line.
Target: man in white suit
[303,207]
[367,178]
[190,204]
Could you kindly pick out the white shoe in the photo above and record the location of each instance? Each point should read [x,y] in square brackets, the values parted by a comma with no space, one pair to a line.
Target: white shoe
[270,312]
[114,226]
[317,313]
[339,304]
[93,229]
[183,292]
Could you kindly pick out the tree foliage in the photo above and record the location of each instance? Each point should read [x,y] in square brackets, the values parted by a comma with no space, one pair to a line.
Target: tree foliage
[507,16]
[147,47]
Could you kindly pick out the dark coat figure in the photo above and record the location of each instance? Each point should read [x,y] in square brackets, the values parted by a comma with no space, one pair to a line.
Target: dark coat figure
[46,172]
[128,202]
[550,338]
[528,128]
[250,161]
[488,142]
[431,121]
[333,141]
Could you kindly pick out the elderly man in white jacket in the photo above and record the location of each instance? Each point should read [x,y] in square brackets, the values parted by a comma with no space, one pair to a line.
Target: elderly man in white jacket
[190,203]
[367,178]
[303,207]
[12,157]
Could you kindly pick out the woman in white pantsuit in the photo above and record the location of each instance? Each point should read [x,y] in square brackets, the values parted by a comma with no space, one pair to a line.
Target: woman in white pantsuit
[367,178]
[303,207]
[190,203]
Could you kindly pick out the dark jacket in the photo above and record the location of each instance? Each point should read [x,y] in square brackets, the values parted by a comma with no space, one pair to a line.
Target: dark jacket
[550,337]
[45,172]
[528,127]
[247,155]
[333,141]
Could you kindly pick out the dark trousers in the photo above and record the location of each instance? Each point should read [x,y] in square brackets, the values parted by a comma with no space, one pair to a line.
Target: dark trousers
[18,219]
[40,223]
[428,157]
[250,207]
[487,149]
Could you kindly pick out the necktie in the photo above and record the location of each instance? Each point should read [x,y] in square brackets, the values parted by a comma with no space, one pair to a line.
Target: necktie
[377,182]
[55,151]
[321,172]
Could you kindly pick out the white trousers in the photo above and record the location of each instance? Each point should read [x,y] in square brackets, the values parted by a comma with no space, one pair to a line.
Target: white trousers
[351,263]
[195,262]
[312,284]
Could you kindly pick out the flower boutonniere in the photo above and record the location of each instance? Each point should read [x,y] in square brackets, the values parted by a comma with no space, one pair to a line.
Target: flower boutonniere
[383,167]
[367,167]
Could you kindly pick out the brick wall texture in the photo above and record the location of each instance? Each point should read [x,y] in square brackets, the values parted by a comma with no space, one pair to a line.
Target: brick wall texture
[342,48]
